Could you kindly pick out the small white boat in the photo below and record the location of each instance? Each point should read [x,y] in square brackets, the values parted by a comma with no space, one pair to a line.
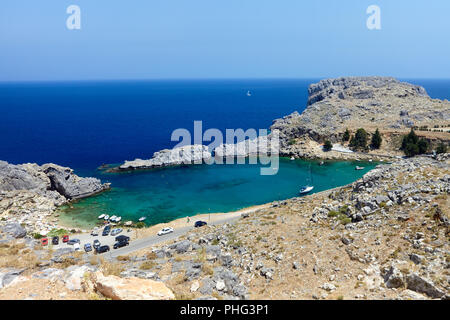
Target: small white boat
[118,219]
[142,219]
[321,163]
[112,219]
[306,189]
[292,158]
[101,216]
[359,168]
[106,217]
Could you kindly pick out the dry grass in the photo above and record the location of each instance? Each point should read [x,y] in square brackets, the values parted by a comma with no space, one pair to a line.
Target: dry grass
[9,256]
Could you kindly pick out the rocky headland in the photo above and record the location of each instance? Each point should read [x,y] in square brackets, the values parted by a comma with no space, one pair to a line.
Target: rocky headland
[385,103]
[29,193]
[333,106]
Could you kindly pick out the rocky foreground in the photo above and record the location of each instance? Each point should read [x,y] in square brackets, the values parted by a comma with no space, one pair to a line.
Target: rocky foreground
[30,193]
[385,236]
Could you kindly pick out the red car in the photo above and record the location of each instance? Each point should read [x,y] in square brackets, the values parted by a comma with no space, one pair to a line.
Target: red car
[65,238]
[44,241]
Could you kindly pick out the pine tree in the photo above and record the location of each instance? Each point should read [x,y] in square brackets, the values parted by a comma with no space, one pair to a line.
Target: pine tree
[328,145]
[346,135]
[359,140]
[376,140]
[442,148]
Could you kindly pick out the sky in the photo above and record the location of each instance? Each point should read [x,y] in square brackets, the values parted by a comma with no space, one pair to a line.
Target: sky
[197,39]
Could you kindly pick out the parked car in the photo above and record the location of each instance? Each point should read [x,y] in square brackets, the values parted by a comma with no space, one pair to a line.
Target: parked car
[116,231]
[120,244]
[122,238]
[165,231]
[102,249]
[106,230]
[73,241]
[199,224]
[87,247]
[65,238]
[44,241]
[76,246]
[55,240]
[96,244]
[94,232]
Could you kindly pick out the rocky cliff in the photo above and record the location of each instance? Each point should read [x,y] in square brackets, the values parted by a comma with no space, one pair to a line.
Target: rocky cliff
[360,102]
[29,192]
[191,154]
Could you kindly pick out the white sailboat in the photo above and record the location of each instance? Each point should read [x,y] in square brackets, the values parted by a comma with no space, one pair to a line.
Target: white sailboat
[309,187]
[306,189]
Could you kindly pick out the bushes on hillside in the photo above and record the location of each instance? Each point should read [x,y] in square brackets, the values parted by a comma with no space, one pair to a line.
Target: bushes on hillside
[346,135]
[328,145]
[376,140]
[359,140]
[442,148]
[412,145]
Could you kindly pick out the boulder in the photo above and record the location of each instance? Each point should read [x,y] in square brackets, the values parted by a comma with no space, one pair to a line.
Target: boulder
[422,285]
[70,185]
[118,288]
[15,230]
[394,278]
[75,277]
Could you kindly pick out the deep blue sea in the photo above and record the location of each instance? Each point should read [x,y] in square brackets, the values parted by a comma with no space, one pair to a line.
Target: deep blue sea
[85,124]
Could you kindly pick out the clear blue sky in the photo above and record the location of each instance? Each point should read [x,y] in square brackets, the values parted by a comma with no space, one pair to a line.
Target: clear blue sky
[147,39]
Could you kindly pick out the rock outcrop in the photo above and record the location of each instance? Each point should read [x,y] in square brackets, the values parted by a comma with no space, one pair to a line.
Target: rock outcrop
[29,192]
[118,288]
[191,154]
[359,102]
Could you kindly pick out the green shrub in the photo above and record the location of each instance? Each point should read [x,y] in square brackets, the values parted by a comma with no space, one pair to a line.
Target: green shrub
[376,140]
[328,145]
[412,145]
[140,225]
[359,140]
[442,148]
[346,135]
[333,213]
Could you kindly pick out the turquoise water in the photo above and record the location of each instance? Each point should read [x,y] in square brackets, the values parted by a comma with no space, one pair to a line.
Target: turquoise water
[166,194]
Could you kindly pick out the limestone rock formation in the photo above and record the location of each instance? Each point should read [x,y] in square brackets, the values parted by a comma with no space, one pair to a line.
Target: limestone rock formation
[131,288]
[191,154]
[360,102]
[29,192]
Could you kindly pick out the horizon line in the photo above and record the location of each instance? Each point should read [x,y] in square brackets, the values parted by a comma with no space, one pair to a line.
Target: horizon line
[208,79]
